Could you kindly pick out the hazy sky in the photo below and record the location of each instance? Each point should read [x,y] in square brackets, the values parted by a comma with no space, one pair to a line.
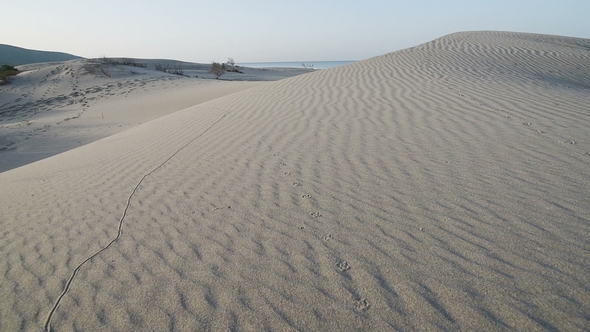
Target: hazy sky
[270,30]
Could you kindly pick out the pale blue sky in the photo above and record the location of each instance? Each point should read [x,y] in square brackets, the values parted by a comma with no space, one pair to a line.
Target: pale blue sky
[270,30]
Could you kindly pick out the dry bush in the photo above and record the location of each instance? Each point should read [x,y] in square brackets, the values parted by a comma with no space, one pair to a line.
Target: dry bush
[217,69]
[91,67]
[231,66]
[177,70]
[131,62]
[160,67]
[106,71]
[97,66]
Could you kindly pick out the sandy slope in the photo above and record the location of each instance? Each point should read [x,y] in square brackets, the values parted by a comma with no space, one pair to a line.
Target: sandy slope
[54,107]
[442,187]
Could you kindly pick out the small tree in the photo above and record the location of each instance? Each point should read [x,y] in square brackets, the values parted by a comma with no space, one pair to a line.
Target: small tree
[217,69]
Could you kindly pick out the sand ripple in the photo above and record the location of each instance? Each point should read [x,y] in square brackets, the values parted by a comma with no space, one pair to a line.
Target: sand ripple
[442,187]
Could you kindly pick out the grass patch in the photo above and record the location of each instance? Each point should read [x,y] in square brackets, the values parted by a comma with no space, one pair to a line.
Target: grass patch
[6,73]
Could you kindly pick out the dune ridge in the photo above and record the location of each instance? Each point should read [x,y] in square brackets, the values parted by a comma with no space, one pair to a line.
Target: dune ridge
[442,187]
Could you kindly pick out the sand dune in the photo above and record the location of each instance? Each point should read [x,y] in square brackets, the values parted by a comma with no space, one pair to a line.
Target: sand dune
[54,107]
[442,187]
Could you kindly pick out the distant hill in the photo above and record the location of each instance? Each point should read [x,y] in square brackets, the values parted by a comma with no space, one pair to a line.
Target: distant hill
[16,56]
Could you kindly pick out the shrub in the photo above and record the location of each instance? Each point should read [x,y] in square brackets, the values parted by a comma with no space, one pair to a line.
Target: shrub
[176,70]
[160,67]
[217,69]
[98,66]
[6,73]
[7,68]
[231,66]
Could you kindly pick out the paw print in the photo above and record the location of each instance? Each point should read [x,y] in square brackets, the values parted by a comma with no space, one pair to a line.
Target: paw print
[343,266]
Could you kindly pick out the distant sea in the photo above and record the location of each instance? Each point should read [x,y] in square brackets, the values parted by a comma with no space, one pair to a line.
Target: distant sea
[295,64]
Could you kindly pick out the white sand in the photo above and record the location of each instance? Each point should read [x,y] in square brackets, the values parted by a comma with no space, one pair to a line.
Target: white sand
[51,108]
[442,187]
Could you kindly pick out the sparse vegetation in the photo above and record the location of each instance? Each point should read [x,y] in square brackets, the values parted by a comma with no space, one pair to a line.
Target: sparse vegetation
[102,65]
[90,68]
[128,62]
[93,66]
[106,61]
[98,66]
[6,73]
[105,71]
[160,67]
[131,62]
[176,70]
[309,66]
[231,66]
[217,69]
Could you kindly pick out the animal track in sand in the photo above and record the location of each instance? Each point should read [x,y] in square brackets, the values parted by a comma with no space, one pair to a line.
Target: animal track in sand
[316,214]
[306,196]
[327,237]
[343,266]
[362,304]
[47,326]
[296,184]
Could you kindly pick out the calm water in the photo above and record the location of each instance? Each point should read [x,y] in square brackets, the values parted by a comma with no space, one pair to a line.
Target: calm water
[295,64]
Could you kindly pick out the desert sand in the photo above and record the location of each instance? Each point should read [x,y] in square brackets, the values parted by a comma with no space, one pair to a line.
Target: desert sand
[441,187]
[54,107]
